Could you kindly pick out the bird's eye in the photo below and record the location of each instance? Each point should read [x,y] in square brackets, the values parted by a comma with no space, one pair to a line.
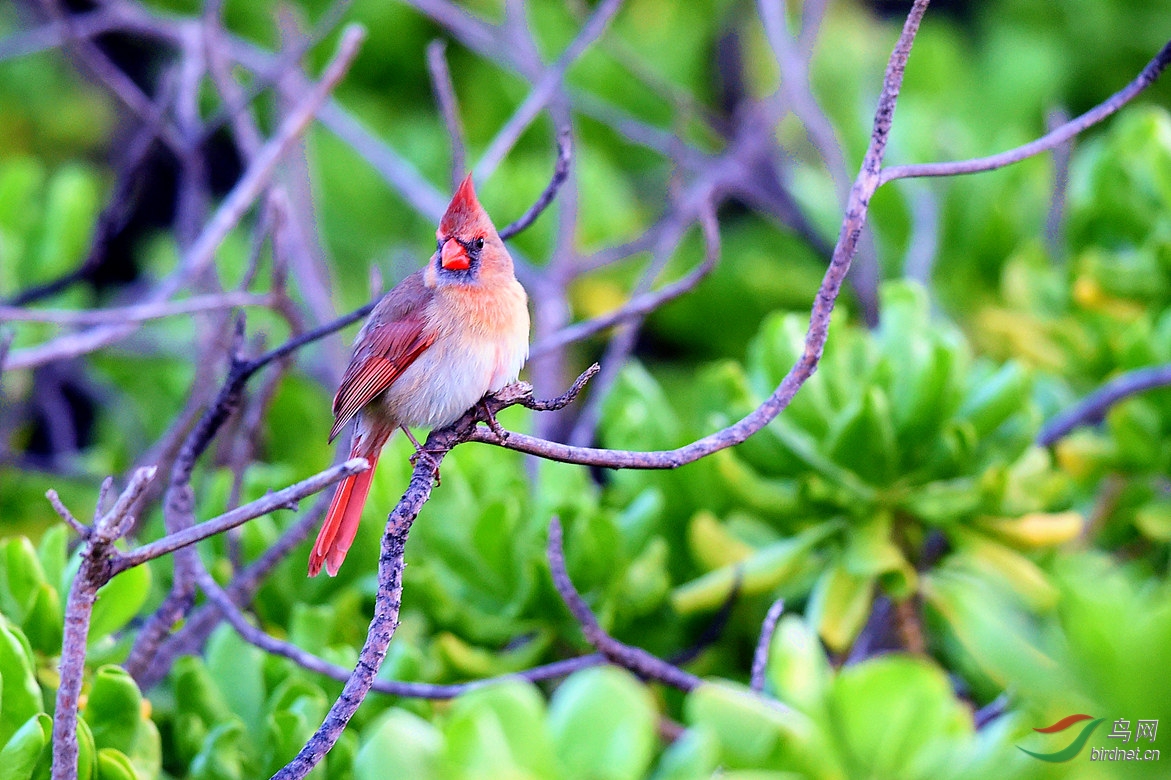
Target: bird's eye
[478,244]
[439,245]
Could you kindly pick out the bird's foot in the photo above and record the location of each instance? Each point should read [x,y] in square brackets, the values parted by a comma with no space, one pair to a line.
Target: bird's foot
[490,418]
[421,452]
[428,458]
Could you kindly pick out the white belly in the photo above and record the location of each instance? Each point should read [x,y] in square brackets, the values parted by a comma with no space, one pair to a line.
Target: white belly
[456,371]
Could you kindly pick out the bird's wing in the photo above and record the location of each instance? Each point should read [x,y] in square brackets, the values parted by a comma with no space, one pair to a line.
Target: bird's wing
[394,337]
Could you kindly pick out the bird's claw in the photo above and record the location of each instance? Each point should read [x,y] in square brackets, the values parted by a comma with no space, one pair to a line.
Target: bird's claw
[428,457]
[493,423]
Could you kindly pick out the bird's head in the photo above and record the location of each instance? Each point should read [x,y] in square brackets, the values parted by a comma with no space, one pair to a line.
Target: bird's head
[468,248]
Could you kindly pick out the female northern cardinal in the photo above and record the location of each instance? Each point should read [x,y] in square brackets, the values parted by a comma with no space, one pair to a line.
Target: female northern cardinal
[434,345]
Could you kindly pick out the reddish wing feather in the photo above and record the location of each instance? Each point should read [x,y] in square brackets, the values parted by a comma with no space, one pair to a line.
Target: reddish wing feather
[390,349]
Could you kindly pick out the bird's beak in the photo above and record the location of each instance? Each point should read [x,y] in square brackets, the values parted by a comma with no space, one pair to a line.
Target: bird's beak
[453,256]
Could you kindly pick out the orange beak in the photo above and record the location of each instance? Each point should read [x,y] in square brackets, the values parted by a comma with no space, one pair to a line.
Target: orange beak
[453,256]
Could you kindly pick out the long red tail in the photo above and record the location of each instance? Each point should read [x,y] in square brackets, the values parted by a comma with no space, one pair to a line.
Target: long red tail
[341,522]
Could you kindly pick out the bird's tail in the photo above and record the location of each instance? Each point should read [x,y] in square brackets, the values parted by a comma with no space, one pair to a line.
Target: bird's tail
[345,512]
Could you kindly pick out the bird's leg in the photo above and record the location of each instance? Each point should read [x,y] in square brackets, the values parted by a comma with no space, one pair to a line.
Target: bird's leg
[493,423]
[422,452]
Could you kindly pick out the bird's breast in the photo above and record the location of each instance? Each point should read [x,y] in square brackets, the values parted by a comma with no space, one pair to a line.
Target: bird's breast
[481,341]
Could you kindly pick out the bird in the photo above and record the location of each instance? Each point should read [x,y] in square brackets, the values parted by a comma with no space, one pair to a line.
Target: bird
[446,335]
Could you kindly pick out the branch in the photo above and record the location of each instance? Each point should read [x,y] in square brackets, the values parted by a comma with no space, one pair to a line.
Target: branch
[282,499]
[448,106]
[760,656]
[1049,141]
[94,572]
[137,313]
[231,211]
[859,201]
[1092,409]
[635,659]
[386,608]
[560,173]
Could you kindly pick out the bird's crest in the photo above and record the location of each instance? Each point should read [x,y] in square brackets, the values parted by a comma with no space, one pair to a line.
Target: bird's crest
[463,211]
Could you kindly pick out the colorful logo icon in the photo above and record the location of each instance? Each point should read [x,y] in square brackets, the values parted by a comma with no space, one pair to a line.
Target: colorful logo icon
[1074,747]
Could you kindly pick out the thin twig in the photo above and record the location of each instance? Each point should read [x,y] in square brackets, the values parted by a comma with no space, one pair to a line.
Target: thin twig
[233,208]
[560,174]
[635,659]
[448,107]
[282,499]
[760,655]
[1046,142]
[1093,408]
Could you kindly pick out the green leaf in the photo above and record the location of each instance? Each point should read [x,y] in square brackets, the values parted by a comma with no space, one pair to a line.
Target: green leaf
[897,717]
[71,208]
[603,723]
[112,765]
[839,605]
[20,755]
[693,756]
[44,622]
[765,570]
[501,726]
[196,692]
[238,669]
[114,709]
[222,755]
[797,668]
[752,731]
[53,553]
[119,600]
[23,576]
[399,746]
[862,438]
[996,399]
[20,696]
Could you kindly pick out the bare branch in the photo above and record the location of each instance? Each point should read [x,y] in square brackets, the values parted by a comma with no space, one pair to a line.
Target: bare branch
[1093,408]
[448,107]
[760,656]
[137,313]
[1046,142]
[230,212]
[282,499]
[63,511]
[94,572]
[386,608]
[635,659]
[560,174]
